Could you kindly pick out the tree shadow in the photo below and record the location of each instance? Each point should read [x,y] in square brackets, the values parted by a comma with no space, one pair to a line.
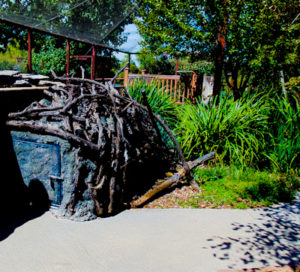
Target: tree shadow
[272,240]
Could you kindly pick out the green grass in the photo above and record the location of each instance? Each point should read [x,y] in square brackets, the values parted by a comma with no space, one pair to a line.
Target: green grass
[241,188]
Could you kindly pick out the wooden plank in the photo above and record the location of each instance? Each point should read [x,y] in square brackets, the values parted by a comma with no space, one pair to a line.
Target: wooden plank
[24,89]
[175,91]
[179,89]
[165,76]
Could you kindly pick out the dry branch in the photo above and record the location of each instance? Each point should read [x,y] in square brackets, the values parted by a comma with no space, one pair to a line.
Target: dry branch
[19,125]
[172,181]
[119,72]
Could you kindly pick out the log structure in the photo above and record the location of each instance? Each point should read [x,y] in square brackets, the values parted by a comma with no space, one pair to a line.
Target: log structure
[117,145]
[116,141]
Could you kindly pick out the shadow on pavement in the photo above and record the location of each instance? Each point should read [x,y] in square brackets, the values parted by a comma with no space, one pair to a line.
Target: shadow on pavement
[274,239]
[18,203]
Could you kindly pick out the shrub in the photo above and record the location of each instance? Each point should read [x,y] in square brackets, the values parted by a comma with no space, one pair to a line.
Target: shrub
[235,130]
[283,147]
[160,102]
[50,57]
[8,59]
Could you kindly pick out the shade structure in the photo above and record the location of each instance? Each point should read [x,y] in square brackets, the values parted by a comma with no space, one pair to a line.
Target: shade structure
[96,22]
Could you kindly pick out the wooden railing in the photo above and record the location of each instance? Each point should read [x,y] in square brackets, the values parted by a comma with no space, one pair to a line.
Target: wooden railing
[118,82]
[171,84]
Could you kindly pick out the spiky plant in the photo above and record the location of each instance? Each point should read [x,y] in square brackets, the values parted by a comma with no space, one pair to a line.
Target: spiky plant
[235,130]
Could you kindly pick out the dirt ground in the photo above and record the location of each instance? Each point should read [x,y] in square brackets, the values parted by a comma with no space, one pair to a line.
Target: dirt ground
[177,197]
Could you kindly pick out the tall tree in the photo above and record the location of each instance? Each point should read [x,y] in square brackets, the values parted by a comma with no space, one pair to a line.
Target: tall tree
[238,32]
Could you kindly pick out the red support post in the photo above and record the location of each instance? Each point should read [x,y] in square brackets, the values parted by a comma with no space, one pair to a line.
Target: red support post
[93,63]
[29,52]
[68,58]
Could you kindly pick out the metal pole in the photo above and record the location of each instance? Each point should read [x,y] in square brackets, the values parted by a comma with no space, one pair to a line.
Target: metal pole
[29,52]
[129,61]
[93,63]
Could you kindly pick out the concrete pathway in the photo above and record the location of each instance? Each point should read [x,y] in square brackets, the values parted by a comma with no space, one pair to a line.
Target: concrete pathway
[156,240]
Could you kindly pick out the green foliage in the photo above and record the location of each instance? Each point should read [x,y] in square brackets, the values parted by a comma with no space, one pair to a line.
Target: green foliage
[283,147]
[8,59]
[156,64]
[262,37]
[242,188]
[235,130]
[50,57]
[188,64]
[160,102]
[133,67]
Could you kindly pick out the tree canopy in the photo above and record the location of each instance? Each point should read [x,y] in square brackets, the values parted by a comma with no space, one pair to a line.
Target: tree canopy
[260,37]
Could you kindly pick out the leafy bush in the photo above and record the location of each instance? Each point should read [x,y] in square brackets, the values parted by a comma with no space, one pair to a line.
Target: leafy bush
[8,59]
[49,58]
[235,130]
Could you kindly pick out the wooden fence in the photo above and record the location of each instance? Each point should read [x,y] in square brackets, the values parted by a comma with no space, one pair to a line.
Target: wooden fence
[180,90]
[171,84]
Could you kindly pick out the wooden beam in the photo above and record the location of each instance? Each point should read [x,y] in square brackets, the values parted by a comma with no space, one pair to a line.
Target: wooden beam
[14,89]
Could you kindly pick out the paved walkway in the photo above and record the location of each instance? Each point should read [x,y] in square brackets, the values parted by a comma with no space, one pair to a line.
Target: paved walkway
[156,240]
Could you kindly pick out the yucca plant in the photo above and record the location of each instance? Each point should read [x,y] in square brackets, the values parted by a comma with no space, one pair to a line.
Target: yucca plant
[160,102]
[235,130]
[283,149]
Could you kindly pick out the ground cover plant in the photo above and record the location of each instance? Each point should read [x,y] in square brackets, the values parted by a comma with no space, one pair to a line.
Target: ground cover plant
[232,187]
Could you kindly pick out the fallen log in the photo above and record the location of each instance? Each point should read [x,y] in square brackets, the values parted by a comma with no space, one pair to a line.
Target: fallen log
[172,181]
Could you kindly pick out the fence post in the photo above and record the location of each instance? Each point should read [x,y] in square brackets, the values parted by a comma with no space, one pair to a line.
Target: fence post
[126,73]
[194,86]
[176,67]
